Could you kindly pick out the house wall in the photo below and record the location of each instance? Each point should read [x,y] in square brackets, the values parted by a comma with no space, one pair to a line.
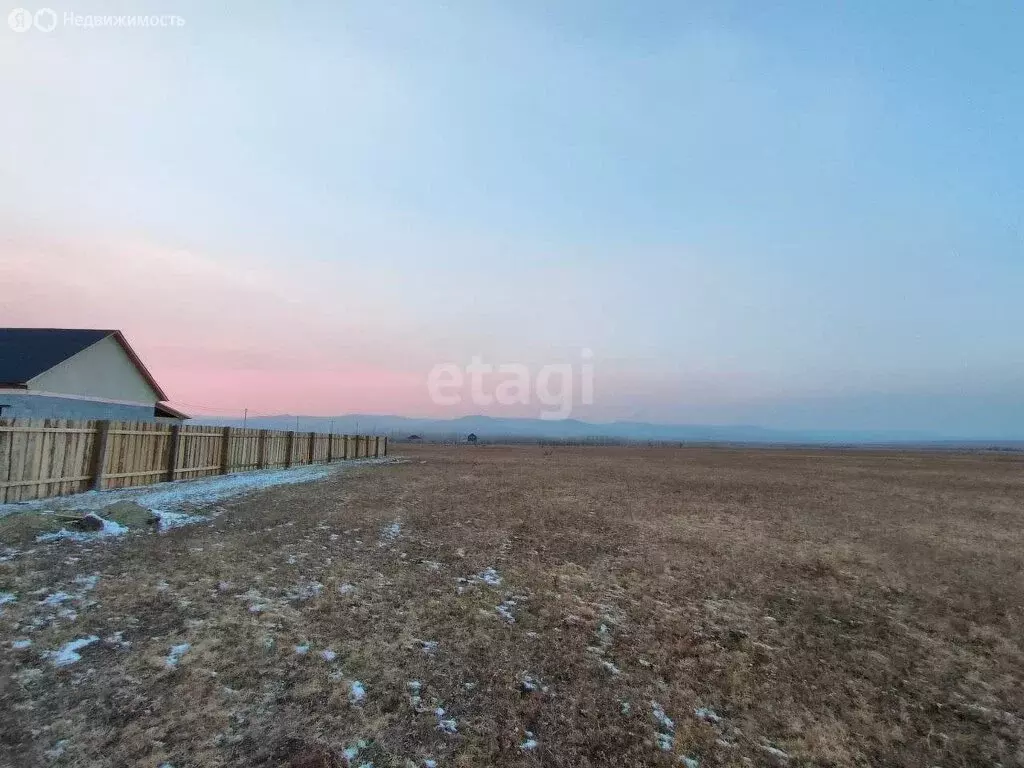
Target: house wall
[102,370]
[23,405]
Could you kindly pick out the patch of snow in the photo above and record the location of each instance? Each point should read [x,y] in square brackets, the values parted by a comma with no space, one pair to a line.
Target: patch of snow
[445,725]
[414,687]
[428,763]
[690,762]
[118,639]
[257,603]
[489,576]
[57,750]
[390,532]
[351,752]
[429,647]
[301,650]
[209,490]
[328,655]
[305,591]
[87,583]
[414,693]
[774,752]
[529,743]
[179,496]
[170,520]
[505,611]
[177,651]
[708,715]
[611,668]
[109,530]
[68,654]
[625,707]
[356,692]
[55,599]
[663,720]
[666,742]
[19,645]
[346,589]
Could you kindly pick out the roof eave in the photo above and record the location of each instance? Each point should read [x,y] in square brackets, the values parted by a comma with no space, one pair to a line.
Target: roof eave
[161,395]
[171,412]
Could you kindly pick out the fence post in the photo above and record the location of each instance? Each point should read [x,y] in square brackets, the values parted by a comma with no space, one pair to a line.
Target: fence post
[344,447]
[225,450]
[172,458]
[385,445]
[291,449]
[99,457]
[312,446]
[376,447]
[330,447]
[261,449]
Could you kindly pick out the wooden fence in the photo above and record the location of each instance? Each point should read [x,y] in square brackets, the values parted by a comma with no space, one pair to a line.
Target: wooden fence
[40,458]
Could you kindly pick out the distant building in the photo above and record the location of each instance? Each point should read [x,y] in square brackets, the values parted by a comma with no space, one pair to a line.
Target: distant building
[71,373]
[414,438]
[471,438]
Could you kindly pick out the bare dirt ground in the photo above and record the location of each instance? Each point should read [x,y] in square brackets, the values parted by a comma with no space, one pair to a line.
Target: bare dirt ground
[646,607]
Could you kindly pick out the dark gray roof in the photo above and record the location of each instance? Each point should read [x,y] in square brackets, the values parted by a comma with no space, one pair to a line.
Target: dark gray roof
[27,352]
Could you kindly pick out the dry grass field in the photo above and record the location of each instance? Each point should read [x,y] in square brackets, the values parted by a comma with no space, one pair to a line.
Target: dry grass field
[665,607]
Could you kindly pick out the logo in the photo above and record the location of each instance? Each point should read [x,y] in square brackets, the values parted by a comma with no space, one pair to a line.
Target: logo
[513,384]
[46,20]
[20,20]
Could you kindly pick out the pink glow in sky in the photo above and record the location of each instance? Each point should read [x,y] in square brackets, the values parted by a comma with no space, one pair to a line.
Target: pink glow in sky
[214,335]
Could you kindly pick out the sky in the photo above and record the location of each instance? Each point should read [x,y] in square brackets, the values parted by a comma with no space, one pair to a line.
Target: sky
[798,215]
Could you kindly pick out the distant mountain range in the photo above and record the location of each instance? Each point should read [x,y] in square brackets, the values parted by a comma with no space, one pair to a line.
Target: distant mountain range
[490,428]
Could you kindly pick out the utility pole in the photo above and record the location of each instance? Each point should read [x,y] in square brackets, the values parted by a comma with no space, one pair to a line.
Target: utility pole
[245,417]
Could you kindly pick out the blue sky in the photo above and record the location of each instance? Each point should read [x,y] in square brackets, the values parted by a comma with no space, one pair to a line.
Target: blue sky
[797,214]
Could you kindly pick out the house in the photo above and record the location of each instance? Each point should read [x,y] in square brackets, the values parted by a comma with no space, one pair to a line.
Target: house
[72,373]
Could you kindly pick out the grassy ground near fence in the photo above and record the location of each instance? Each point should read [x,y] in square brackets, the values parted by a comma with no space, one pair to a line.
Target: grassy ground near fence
[645,607]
